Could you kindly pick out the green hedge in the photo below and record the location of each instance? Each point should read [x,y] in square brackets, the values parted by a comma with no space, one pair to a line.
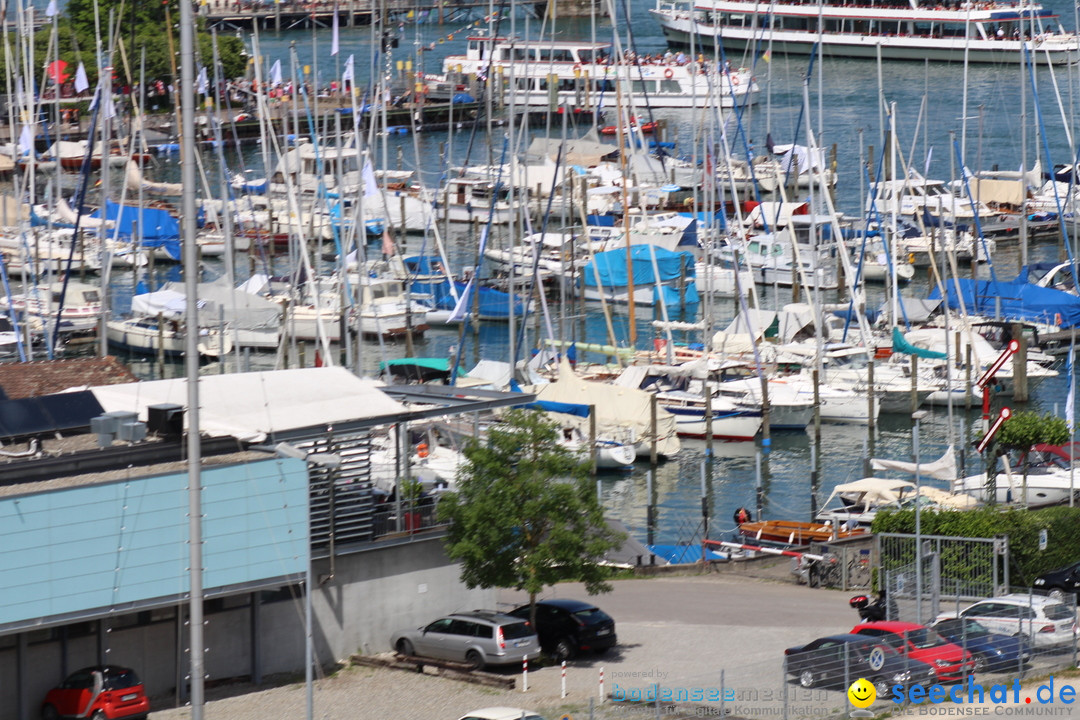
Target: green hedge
[1021,526]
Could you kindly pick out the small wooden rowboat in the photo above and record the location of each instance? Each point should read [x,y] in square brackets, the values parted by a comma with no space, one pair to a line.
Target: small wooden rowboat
[792,532]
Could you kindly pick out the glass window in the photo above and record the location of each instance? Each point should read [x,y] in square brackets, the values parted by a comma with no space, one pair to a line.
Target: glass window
[1057,611]
[121,678]
[441,625]
[462,627]
[517,630]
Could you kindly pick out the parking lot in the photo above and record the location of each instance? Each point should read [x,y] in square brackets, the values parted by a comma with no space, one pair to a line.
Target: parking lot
[678,632]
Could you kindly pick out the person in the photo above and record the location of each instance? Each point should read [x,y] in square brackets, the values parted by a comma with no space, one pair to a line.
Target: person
[742,515]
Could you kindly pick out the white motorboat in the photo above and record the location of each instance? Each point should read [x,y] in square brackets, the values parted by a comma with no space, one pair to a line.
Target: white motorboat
[168,337]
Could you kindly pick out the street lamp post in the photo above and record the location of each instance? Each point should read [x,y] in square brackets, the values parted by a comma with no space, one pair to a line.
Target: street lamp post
[917,417]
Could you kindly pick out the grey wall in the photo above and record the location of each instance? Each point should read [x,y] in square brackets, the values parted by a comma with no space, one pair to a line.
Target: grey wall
[372,594]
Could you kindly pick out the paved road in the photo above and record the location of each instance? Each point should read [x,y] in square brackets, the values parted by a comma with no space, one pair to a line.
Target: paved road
[679,632]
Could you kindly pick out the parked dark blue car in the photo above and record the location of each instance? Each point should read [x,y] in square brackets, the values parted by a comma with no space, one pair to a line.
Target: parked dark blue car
[990,650]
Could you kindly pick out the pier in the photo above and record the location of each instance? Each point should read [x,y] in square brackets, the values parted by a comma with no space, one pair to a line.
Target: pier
[290,14]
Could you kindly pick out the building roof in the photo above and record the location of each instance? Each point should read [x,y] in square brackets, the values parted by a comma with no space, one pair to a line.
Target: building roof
[44,377]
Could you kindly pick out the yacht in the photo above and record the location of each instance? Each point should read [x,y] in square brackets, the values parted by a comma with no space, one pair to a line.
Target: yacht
[950,31]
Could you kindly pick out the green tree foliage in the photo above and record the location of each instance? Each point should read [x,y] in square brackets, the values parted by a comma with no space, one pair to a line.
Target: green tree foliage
[1026,429]
[139,25]
[1021,526]
[524,515]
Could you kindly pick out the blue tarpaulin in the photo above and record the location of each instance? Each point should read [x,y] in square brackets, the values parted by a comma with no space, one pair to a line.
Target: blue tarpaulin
[613,273]
[1015,301]
[156,227]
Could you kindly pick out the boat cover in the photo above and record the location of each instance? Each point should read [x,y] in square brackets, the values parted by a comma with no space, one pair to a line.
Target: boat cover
[617,408]
[1017,301]
[156,227]
[609,268]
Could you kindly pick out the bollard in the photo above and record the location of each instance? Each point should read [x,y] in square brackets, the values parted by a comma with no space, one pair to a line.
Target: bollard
[525,674]
[601,683]
[564,678]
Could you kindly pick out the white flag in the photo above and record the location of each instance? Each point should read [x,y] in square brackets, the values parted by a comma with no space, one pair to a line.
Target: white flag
[51,11]
[275,73]
[81,83]
[334,38]
[204,83]
[347,74]
[26,140]
[107,108]
[461,309]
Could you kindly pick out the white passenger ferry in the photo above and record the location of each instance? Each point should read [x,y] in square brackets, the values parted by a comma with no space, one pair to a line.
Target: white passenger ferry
[584,74]
[941,30]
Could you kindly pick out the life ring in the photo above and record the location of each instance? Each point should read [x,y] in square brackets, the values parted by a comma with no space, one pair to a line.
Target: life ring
[577,68]
[669,73]
[422,450]
[734,79]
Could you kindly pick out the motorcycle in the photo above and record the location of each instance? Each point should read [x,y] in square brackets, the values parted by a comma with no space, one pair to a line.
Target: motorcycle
[876,610]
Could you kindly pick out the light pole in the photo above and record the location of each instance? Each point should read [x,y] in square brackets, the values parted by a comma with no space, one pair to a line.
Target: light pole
[917,416]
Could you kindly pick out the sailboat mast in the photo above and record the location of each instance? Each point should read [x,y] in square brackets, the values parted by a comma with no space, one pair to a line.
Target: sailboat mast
[191,351]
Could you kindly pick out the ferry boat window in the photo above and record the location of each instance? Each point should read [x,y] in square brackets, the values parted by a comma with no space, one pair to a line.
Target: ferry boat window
[605,86]
[585,56]
[519,54]
[562,56]
[670,86]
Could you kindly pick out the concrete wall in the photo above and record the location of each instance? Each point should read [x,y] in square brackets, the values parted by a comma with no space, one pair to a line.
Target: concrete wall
[375,593]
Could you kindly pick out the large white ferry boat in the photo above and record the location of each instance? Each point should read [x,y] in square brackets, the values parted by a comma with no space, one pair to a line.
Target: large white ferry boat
[585,74]
[941,30]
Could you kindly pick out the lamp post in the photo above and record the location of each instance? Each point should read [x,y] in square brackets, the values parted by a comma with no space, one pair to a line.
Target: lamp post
[917,416]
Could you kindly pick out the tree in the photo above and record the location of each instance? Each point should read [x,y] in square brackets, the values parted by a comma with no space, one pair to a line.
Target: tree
[1021,432]
[524,515]
[139,25]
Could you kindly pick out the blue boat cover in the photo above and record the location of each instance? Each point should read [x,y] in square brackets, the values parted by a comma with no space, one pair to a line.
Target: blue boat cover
[158,227]
[612,271]
[684,554]
[493,304]
[1018,301]
[612,266]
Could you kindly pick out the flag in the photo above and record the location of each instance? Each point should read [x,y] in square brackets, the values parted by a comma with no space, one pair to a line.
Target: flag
[26,140]
[1070,402]
[51,11]
[766,56]
[334,39]
[275,73]
[347,74]
[203,82]
[461,308]
[387,243]
[81,82]
[926,166]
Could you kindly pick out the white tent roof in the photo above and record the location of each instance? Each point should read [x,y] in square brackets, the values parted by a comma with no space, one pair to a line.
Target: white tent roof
[250,406]
[944,468]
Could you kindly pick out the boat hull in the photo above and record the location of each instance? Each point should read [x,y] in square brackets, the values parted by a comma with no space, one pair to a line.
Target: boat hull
[739,426]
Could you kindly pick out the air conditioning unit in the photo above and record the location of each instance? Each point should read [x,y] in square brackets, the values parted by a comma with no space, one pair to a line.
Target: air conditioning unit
[165,420]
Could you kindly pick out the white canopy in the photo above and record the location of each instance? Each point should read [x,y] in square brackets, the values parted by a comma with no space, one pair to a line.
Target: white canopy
[250,406]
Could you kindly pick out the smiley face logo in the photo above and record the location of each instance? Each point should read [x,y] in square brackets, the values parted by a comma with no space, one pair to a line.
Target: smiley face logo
[862,693]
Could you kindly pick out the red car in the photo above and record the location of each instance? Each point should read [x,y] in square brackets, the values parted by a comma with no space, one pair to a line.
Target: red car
[950,662]
[104,692]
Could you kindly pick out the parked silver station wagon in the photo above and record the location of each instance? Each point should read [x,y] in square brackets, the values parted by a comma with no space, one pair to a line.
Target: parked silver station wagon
[479,638]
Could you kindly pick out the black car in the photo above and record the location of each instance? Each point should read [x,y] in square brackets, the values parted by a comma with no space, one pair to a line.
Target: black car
[841,659]
[567,627]
[1060,581]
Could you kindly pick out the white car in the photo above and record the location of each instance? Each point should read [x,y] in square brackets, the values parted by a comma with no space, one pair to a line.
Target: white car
[501,713]
[1044,621]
